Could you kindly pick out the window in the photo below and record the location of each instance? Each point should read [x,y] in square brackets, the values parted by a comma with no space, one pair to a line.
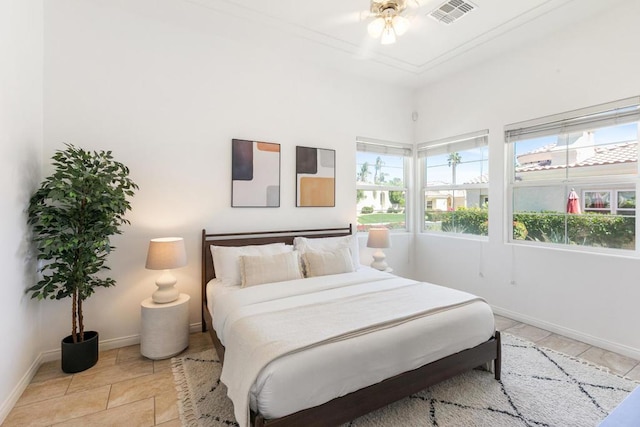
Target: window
[455,184]
[626,203]
[382,177]
[600,201]
[573,177]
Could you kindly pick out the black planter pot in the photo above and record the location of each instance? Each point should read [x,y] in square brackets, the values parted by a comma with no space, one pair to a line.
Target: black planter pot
[80,356]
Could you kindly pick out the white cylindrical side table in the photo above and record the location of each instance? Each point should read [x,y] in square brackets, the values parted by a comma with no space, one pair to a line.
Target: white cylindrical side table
[165,327]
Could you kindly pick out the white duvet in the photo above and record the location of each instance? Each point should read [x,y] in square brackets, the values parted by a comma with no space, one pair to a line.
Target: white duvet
[371,325]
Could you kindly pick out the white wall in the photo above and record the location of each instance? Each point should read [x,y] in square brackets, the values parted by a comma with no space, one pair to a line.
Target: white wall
[166,88]
[590,297]
[20,159]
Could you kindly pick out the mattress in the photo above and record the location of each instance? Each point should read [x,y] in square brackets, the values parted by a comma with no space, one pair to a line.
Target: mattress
[314,376]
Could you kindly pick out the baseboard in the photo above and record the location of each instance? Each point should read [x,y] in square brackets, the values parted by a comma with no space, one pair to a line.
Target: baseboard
[195,327]
[112,343]
[49,355]
[17,391]
[570,333]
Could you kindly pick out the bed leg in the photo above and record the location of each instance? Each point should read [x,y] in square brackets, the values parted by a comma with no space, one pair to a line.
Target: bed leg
[487,366]
[497,363]
[258,421]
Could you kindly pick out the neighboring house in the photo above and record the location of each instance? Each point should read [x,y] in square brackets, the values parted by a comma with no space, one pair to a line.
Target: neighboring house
[478,197]
[577,155]
[378,199]
[578,152]
[442,200]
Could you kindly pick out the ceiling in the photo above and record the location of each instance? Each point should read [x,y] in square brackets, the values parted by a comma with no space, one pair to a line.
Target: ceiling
[334,32]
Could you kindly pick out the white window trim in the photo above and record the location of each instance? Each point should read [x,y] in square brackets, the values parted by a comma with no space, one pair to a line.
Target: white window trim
[626,111]
[373,145]
[448,145]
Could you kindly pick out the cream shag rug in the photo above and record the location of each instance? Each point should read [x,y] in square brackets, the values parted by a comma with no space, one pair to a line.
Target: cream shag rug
[539,387]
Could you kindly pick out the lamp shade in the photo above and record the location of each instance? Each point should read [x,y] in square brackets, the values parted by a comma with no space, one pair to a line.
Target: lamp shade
[388,35]
[400,24]
[376,27]
[166,253]
[378,238]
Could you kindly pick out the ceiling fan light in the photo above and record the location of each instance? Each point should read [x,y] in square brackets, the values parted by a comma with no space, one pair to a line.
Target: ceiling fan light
[400,24]
[388,35]
[376,27]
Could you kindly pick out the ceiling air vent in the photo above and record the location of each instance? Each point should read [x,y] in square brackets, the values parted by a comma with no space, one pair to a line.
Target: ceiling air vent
[451,11]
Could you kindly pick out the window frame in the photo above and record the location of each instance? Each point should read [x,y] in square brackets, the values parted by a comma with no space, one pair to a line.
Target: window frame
[471,140]
[617,199]
[586,119]
[406,151]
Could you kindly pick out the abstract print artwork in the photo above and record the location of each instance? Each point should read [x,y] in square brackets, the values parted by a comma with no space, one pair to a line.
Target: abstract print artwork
[315,177]
[255,171]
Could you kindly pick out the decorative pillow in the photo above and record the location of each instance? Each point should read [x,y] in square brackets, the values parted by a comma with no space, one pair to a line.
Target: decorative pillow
[322,263]
[226,259]
[329,244]
[256,270]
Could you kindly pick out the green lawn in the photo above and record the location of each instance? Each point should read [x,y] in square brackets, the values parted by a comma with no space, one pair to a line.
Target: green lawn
[380,218]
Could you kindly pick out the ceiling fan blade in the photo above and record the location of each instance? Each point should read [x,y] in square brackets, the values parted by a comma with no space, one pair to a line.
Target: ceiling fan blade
[366,15]
[344,19]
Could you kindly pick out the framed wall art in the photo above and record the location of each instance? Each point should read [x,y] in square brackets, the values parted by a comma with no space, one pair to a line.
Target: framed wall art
[315,177]
[255,170]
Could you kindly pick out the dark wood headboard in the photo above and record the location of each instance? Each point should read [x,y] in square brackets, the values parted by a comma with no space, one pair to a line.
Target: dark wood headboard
[252,238]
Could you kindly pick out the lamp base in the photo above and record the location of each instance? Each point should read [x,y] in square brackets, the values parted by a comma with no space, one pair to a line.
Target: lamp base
[166,292]
[379,262]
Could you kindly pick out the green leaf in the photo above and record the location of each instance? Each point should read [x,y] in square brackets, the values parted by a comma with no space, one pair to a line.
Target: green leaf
[72,214]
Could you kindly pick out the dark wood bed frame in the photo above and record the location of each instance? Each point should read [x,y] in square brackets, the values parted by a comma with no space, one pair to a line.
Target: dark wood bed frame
[360,402]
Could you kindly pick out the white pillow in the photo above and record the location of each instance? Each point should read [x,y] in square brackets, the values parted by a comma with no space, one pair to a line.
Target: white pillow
[226,259]
[256,270]
[330,244]
[321,263]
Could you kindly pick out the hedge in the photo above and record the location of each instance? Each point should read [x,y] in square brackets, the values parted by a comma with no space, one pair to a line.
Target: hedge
[462,220]
[589,229]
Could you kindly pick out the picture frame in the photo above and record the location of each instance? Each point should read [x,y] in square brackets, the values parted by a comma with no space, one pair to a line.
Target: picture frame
[255,174]
[315,177]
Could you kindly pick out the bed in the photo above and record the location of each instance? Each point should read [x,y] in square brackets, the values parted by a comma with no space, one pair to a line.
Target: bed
[329,402]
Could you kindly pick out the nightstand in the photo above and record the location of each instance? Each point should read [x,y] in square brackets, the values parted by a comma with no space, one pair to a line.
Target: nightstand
[165,327]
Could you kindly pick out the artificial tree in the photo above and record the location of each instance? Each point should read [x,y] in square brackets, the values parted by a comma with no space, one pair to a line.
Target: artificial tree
[73,214]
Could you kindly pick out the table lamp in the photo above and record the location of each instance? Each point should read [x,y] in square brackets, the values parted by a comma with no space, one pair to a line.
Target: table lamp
[379,238]
[164,254]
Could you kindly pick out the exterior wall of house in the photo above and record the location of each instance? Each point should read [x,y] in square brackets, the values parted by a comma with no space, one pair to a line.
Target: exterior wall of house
[592,297]
[379,203]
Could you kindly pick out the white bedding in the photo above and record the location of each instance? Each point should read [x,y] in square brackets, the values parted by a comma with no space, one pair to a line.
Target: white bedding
[316,375]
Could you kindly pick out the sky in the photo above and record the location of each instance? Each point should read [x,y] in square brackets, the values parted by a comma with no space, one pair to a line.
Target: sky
[393,166]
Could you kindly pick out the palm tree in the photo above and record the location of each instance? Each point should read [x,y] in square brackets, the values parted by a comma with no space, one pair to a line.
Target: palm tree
[453,160]
[378,176]
[364,172]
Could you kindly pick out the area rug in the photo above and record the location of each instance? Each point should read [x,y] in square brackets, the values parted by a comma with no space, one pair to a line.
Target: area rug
[539,387]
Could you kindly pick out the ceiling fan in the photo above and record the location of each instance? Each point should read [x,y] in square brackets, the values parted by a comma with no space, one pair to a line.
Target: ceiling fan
[390,19]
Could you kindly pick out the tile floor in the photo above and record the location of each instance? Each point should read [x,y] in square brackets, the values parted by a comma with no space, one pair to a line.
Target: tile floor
[122,389]
[125,388]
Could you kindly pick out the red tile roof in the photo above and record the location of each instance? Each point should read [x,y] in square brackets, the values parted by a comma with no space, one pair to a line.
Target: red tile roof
[604,155]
